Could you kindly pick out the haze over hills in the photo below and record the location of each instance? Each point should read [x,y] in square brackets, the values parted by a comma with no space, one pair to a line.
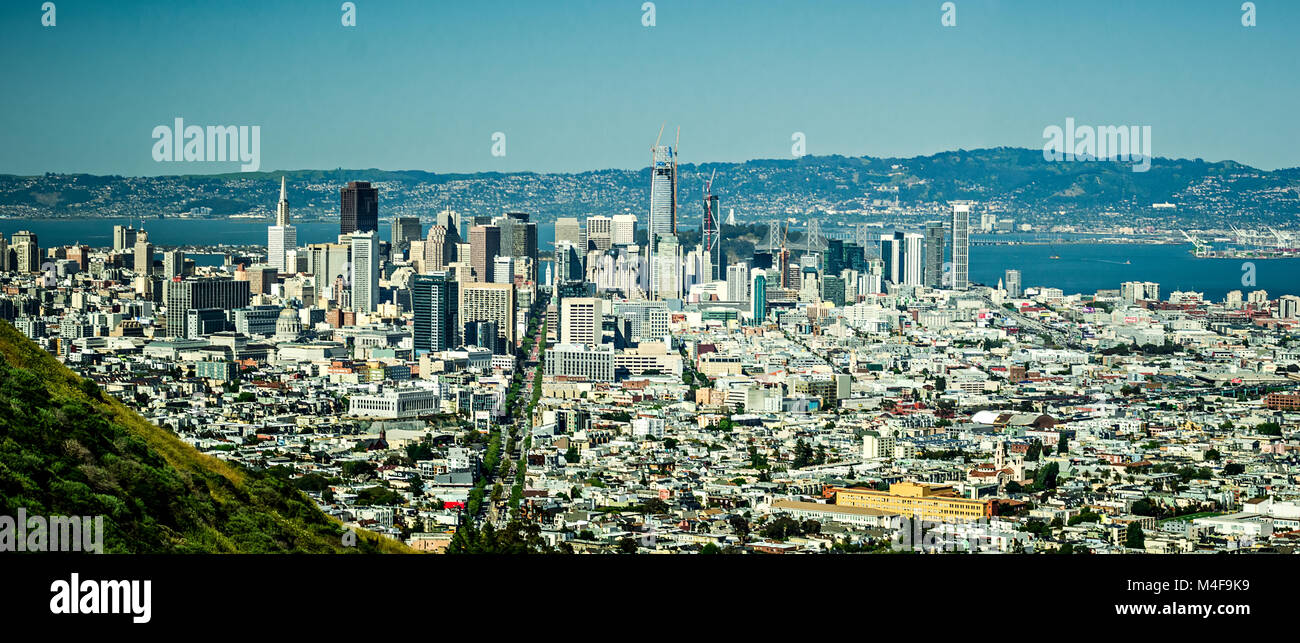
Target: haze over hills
[1013,180]
[69,449]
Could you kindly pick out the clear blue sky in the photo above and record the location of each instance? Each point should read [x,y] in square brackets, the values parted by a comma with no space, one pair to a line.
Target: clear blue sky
[581,84]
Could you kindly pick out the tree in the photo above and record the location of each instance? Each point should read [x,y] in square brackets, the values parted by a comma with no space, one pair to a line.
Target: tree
[710,548]
[626,546]
[1135,539]
[803,454]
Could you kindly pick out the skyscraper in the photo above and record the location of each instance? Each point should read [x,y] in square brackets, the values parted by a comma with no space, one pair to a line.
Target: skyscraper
[934,244]
[492,303]
[663,205]
[358,208]
[365,271]
[485,247]
[758,296]
[173,264]
[600,232]
[570,229]
[622,231]
[738,282]
[912,250]
[123,238]
[960,245]
[435,249]
[27,252]
[437,323]
[405,230]
[143,259]
[282,237]
[580,321]
[182,295]
[1012,283]
[891,253]
[711,234]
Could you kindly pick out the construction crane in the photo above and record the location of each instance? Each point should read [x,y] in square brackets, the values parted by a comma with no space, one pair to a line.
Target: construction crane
[711,233]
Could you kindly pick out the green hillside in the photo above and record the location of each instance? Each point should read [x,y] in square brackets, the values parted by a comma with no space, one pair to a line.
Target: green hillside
[67,448]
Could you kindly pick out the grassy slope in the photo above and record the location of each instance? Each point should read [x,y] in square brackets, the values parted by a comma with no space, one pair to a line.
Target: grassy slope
[68,449]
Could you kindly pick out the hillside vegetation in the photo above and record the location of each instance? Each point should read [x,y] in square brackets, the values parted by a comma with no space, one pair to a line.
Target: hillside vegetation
[67,448]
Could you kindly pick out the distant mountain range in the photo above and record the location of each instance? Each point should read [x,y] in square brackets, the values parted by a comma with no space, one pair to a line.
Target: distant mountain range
[1009,180]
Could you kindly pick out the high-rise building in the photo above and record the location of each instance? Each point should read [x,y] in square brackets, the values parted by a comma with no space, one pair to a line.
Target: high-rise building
[358,208]
[568,263]
[758,296]
[492,303]
[27,252]
[668,275]
[405,230]
[365,271]
[182,295]
[580,321]
[711,236]
[437,323]
[570,229]
[622,229]
[281,238]
[328,264]
[1012,283]
[600,232]
[173,264]
[435,249]
[123,238]
[503,270]
[738,282]
[143,255]
[913,248]
[485,246]
[934,244]
[663,205]
[960,246]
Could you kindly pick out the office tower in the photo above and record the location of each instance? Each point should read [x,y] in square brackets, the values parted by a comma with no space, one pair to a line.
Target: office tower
[485,247]
[891,253]
[26,251]
[568,264]
[182,295]
[1288,306]
[600,232]
[437,323]
[365,271]
[503,270]
[934,244]
[758,296]
[580,321]
[490,302]
[173,264]
[1012,283]
[123,238]
[358,208]
[327,262]
[519,240]
[663,206]
[711,235]
[435,249]
[833,262]
[5,264]
[405,230]
[1132,291]
[833,289]
[451,221]
[622,229]
[913,246]
[143,257]
[960,246]
[668,276]
[484,334]
[738,282]
[569,229]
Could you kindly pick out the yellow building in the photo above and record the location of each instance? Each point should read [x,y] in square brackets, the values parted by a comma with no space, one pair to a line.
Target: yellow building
[930,502]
